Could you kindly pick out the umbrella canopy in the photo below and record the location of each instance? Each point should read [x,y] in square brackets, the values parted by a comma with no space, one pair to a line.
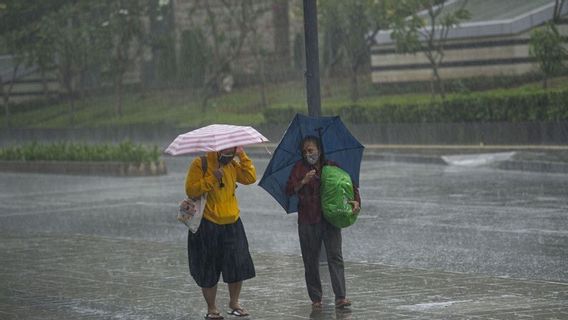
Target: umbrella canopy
[215,137]
[338,145]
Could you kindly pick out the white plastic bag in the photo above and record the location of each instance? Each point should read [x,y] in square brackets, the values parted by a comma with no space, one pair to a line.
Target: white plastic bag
[191,212]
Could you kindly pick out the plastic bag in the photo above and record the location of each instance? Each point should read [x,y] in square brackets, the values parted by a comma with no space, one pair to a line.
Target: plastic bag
[191,212]
[336,192]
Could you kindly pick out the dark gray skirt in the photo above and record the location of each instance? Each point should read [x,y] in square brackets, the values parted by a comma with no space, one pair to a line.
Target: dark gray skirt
[217,249]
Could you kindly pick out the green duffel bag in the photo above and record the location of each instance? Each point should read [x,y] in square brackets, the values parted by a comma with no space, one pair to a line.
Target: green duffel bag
[336,192]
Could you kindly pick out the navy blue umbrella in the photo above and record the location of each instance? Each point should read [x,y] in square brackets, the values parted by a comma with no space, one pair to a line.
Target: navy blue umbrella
[338,145]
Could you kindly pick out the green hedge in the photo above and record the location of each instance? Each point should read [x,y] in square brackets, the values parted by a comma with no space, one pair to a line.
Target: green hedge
[514,106]
[123,152]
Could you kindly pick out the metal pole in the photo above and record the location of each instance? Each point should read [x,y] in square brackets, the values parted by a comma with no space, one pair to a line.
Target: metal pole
[312,71]
[312,57]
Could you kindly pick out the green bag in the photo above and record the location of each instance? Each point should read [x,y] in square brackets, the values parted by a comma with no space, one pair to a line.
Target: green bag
[336,192]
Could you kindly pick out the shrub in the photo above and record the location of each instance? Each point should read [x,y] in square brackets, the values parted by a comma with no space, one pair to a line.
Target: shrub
[123,152]
[517,106]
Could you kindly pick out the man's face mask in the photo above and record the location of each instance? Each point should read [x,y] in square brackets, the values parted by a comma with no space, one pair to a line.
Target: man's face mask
[225,158]
[312,158]
[311,153]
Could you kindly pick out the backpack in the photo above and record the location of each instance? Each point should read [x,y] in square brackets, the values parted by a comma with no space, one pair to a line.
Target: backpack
[336,192]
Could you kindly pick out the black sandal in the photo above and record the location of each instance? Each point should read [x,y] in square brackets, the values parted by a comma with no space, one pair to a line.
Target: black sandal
[238,312]
[214,315]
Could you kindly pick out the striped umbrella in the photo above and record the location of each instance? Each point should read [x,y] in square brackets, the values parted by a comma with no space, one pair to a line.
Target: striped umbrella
[215,137]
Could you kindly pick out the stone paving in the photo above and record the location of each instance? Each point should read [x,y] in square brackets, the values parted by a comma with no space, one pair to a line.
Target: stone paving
[88,277]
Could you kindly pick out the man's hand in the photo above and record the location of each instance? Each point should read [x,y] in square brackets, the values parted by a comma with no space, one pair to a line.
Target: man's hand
[356,207]
[309,176]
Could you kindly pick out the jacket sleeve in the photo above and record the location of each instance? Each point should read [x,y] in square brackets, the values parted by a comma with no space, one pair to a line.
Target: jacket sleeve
[246,172]
[293,180]
[196,183]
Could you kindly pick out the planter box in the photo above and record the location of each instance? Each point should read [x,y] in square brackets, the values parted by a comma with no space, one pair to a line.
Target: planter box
[85,168]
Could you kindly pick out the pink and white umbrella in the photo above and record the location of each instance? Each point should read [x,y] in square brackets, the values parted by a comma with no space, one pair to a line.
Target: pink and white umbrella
[215,137]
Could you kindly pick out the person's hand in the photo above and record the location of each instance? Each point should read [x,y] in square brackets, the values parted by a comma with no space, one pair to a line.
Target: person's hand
[356,207]
[238,152]
[187,206]
[309,176]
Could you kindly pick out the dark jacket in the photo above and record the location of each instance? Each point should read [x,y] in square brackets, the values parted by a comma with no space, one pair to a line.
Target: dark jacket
[309,206]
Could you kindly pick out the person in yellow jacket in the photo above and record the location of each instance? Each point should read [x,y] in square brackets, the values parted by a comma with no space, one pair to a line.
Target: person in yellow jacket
[220,245]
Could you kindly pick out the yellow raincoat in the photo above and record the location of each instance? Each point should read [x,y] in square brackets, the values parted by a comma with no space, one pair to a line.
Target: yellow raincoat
[222,206]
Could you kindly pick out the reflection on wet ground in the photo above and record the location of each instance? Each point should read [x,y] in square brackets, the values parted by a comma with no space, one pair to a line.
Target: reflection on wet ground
[103,247]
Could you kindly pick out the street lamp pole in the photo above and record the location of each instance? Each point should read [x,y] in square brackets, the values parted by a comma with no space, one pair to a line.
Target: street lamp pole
[312,71]
[312,57]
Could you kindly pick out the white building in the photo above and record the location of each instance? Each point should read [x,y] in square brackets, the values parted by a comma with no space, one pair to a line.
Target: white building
[494,42]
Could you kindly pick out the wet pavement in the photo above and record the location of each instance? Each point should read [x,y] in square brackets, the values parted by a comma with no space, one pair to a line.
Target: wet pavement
[433,242]
[87,277]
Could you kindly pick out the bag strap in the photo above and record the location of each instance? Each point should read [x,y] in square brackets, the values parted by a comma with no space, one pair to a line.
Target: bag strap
[204,164]
[203,168]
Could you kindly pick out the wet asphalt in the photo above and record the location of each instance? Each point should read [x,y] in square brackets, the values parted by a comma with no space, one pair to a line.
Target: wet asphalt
[433,241]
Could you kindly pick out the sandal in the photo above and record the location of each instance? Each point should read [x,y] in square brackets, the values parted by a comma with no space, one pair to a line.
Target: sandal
[238,312]
[342,303]
[317,305]
[214,315]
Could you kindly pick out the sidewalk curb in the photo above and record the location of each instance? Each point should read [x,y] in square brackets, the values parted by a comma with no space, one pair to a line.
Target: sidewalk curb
[120,169]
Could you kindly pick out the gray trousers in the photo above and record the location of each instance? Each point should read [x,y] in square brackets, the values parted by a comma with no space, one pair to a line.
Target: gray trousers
[311,238]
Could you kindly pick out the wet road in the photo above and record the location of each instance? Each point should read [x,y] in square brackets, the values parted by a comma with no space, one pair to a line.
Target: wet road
[464,219]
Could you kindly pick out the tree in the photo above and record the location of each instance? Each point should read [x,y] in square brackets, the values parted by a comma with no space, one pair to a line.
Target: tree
[558,6]
[546,46]
[78,38]
[428,32]
[73,34]
[5,93]
[161,39]
[123,29]
[193,57]
[349,31]
[258,50]
[227,25]
[7,85]
[18,34]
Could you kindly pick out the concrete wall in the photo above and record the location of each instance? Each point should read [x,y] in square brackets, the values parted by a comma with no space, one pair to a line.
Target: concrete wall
[485,57]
